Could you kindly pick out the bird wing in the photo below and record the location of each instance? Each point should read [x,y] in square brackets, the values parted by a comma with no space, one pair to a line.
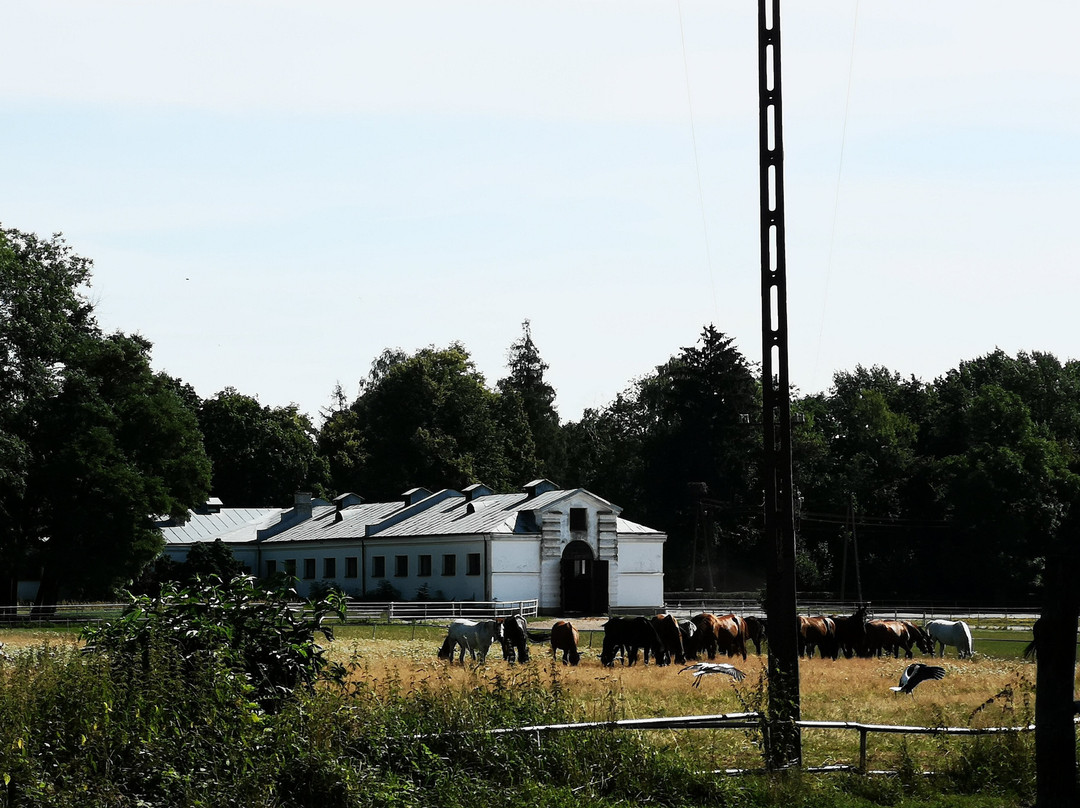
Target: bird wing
[706,668]
[932,672]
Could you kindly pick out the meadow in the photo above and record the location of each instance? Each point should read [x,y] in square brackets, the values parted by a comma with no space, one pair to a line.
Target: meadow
[405,728]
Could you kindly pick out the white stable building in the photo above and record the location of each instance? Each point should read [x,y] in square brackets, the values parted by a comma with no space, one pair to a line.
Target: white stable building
[568,549]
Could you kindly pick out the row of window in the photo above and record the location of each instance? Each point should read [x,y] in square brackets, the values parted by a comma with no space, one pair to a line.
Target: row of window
[378,566]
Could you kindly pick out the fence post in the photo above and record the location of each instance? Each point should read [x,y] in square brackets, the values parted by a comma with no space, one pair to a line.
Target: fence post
[862,750]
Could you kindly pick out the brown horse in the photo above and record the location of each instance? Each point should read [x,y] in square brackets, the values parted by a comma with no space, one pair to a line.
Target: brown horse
[564,637]
[724,633]
[817,632]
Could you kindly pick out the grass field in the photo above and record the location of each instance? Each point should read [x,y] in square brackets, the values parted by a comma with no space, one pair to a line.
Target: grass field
[996,688]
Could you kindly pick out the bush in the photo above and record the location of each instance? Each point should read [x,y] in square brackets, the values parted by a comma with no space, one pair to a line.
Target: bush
[261,635]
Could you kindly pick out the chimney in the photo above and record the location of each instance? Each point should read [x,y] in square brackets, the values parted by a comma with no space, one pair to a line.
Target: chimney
[302,505]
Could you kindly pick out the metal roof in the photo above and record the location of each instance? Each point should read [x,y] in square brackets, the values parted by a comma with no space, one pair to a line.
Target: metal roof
[443,513]
[228,524]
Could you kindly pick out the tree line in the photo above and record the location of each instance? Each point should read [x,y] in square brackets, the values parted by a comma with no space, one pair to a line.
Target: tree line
[961,488]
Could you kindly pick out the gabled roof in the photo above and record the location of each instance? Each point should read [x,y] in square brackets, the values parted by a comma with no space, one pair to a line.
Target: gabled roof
[476,511]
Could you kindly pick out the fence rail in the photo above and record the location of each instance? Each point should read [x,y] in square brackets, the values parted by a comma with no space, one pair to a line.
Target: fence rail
[360,611]
[756,720]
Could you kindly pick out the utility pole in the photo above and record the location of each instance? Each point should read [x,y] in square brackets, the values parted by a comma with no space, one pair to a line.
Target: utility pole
[785,740]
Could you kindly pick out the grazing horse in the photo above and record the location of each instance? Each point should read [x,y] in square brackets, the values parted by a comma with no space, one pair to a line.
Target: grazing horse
[851,632]
[515,639]
[667,629]
[719,634]
[756,628]
[564,637]
[919,638]
[951,632]
[687,629]
[630,635]
[817,632]
[884,637]
[474,636]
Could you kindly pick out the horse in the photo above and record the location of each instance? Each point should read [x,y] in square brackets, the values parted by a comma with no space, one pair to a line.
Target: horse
[884,637]
[629,635]
[667,629]
[474,636]
[719,634]
[817,632]
[515,639]
[951,632]
[919,638]
[756,628]
[851,632]
[564,637]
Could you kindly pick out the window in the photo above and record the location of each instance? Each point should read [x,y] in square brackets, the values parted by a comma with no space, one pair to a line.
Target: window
[378,566]
[425,566]
[271,568]
[579,519]
[351,567]
[290,567]
[309,568]
[329,568]
[472,564]
[449,564]
[401,566]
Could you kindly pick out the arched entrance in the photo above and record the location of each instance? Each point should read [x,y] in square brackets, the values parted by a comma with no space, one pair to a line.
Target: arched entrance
[584,580]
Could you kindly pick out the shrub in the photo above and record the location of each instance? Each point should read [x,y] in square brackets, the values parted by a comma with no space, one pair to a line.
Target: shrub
[261,635]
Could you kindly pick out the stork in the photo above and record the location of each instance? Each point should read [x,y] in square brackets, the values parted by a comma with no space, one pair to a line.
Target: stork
[915,673]
[701,669]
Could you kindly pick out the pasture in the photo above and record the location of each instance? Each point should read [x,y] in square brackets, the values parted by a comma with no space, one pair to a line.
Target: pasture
[410,729]
[986,691]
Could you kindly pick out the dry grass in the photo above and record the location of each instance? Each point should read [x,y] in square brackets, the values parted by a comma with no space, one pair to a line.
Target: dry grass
[981,692]
[975,693]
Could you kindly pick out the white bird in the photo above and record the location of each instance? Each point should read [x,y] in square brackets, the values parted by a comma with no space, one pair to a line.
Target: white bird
[915,673]
[701,669]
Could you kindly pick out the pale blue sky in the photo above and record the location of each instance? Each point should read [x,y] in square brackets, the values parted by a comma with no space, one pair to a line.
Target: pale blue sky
[274,192]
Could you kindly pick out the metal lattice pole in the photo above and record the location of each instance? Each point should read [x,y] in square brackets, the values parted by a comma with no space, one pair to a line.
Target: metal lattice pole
[786,743]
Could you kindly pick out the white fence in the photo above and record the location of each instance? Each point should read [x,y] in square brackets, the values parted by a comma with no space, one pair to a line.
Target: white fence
[434,611]
[754,720]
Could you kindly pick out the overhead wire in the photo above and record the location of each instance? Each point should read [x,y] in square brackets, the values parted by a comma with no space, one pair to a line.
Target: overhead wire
[697,164]
[836,194]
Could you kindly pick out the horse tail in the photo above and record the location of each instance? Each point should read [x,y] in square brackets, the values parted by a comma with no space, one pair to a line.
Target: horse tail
[967,637]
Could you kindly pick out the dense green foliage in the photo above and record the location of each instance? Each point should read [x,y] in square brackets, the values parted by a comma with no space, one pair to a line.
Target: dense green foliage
[93,442]
[255,635]
[426,420]
[261,455]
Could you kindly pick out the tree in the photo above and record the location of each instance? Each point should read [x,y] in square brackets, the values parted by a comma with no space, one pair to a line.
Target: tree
[677,448]
[42,311]
[94,443]
[857,469]
[113,448]
[426,420]
[260,455]
[526,382]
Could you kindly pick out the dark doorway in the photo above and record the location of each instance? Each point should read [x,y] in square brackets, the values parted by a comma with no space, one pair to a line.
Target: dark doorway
[584,581]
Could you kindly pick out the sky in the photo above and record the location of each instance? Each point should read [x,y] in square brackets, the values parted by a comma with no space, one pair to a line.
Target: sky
[275,192]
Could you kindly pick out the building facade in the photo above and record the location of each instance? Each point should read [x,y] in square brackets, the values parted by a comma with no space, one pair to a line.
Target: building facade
[567,548]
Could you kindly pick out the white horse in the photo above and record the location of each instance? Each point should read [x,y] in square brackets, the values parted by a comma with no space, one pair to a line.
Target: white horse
[474,636]
[951,632]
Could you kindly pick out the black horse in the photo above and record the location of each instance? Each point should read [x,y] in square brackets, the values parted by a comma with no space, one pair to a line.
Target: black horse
[515,639]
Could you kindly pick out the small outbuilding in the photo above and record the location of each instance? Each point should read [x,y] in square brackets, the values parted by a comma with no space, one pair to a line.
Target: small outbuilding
[567,548]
